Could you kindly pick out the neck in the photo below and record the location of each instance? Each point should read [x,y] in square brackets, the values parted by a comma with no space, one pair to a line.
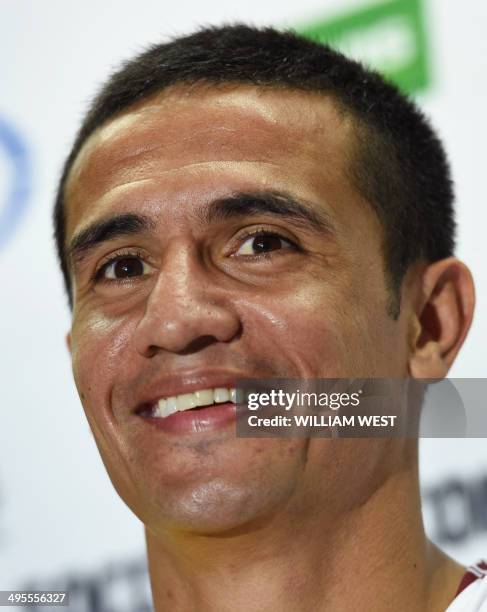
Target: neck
[373,557]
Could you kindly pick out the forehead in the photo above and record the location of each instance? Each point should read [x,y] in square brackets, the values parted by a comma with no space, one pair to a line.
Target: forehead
[243,134]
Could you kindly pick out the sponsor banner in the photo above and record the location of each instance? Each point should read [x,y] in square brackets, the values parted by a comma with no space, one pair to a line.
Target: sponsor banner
[122,586]
[455,509]
[389,36]
[15,179]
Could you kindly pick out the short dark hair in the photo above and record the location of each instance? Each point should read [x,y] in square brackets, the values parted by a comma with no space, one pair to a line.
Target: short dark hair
[398,163]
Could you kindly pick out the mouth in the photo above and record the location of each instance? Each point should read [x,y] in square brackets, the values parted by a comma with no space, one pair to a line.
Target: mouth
[195,401]
[201,410]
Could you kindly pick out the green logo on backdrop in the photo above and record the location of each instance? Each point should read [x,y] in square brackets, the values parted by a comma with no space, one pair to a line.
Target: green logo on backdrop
[389,36]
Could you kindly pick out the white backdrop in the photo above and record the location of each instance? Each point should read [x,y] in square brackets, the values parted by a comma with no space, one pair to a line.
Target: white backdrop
[60,520]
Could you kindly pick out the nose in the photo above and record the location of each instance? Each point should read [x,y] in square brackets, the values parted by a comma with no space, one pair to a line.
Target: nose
[185,310]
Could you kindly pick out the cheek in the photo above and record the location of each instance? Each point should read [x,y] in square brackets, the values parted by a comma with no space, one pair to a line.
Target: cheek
[99,358]
[300,332]
[98,348]
[321,328]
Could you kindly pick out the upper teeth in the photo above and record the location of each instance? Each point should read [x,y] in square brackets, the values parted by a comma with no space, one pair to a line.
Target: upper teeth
[169,405]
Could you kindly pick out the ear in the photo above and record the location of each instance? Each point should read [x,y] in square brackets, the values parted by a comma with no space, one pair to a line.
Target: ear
[442,319]
[68,341]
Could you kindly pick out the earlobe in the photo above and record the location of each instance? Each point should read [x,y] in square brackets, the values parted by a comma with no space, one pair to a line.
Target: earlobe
[443,318]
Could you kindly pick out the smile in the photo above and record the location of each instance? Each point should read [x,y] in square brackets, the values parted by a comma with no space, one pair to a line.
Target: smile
[167,406]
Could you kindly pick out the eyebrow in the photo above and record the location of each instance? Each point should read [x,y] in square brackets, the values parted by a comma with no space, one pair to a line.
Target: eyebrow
[275,203]
[236,205]
[105,230]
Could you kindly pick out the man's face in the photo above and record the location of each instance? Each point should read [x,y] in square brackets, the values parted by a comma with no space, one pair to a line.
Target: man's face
[214,290]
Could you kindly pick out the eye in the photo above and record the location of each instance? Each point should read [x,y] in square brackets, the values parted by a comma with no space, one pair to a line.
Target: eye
[122,267]
[263,242]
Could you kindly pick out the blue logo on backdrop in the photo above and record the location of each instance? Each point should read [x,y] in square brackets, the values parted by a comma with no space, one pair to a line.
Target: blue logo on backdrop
[15,195]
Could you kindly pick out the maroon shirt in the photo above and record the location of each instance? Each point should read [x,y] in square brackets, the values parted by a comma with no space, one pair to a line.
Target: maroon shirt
[474,572]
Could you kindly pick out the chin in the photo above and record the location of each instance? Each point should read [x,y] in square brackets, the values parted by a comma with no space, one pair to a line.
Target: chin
[211,508]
